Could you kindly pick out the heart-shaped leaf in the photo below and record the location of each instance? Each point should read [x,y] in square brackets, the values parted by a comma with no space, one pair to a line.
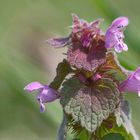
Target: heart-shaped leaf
[89,105]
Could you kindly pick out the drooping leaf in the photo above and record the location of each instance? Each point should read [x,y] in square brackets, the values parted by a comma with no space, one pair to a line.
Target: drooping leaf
[126,108]
[112,68]
[113,136]
[110,126]
[89,105]
[62,70]
[123,119]
[87,58]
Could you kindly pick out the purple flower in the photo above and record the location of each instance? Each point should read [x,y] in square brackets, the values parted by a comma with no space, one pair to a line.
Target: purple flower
[45,93]
[96,76]
[114,35]
[132,84]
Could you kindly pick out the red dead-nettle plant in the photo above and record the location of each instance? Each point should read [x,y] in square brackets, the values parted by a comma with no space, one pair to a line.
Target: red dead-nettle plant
[92,98]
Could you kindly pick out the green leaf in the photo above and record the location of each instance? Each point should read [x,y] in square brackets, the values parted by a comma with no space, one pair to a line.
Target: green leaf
[104,130]
[112,68]
[123,118]
[62,70]
[89,105]
[126,109]
[113,136]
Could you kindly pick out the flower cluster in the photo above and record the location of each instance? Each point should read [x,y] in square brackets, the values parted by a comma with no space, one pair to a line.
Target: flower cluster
[91,59]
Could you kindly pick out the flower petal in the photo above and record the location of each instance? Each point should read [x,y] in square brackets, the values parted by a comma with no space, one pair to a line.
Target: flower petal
[139,93]
[42,107]
[120,22]
[132,84]
[118,48]
[125,48]
[96,76]
[58,42]
[33,86]
[47,94]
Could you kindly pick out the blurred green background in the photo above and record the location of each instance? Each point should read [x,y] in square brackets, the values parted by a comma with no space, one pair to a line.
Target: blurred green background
[24,25]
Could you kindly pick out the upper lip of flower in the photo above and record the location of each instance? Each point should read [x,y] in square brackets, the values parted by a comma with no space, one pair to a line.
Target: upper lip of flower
[114,35]
[120,22]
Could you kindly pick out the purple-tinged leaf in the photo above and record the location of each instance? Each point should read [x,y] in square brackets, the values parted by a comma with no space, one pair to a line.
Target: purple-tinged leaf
[78,24]
[96,22]
[87,58]
[89,105]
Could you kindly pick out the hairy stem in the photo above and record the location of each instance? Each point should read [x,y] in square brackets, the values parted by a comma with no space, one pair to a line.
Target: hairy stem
[62,132]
